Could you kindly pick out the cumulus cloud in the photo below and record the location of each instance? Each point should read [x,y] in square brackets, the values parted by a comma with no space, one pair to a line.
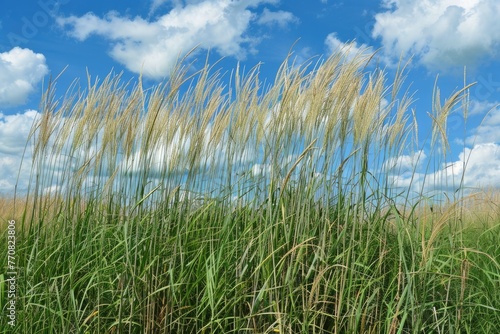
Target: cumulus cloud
[482,107]
[480,166]
[20,70]
[14,131]
[476,167]
[261,169]
[489,129]
[403,170]
[153,47]
[440,33]
[334,44]
[155,4]
[405,163]
[280,18]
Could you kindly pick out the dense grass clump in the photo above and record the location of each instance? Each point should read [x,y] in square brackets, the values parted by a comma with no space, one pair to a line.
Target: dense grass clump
[197,207]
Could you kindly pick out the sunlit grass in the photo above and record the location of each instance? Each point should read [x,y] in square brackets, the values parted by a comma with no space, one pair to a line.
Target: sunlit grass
[204,206]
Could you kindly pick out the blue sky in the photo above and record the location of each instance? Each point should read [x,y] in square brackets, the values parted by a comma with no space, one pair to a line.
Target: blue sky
[40,38]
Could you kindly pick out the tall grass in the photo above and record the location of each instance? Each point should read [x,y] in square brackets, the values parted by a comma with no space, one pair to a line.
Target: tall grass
[219,203]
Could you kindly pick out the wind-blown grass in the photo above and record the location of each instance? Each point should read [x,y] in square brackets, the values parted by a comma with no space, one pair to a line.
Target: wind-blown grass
[199,206]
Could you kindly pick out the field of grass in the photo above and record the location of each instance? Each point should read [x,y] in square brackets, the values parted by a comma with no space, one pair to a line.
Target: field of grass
[202,206]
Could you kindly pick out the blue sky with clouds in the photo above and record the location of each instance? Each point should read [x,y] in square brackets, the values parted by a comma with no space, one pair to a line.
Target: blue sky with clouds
[40,38]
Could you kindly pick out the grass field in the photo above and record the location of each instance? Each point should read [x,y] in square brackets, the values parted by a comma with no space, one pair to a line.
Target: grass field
[250,207]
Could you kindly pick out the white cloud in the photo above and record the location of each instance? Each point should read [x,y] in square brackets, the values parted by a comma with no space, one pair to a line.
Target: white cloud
[334,44]
[405,163]
[158,3]
[14,131]
[476,167]
[20,70]
[153,47]
[482,167]
[403,170]
[281,18]
[261,170]
[489,129]
[482,107]
[440,33]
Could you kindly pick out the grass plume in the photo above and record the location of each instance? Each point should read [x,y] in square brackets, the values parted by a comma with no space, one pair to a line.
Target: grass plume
[202,206]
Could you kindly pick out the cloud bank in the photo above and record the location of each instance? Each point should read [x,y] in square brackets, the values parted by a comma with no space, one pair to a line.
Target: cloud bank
[440,33]
[475,168]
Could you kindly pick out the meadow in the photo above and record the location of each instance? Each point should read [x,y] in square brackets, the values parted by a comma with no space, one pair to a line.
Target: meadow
[219,203]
